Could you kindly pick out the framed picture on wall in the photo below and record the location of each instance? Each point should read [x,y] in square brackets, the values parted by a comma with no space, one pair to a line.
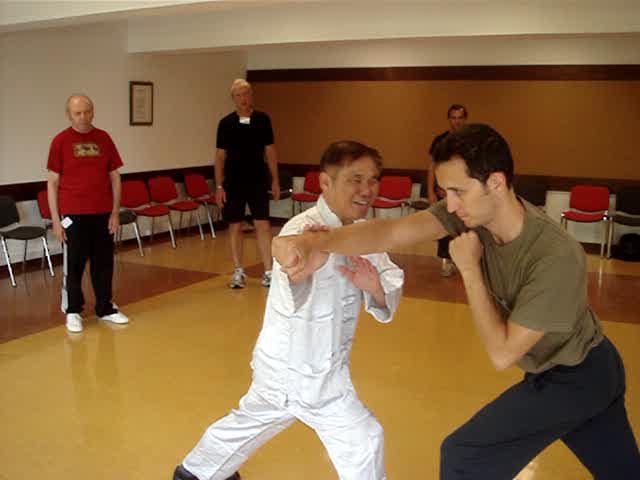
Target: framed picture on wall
[140,103]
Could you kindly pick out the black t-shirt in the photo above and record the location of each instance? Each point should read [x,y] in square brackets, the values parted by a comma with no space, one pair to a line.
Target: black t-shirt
[244,144]
[432,149]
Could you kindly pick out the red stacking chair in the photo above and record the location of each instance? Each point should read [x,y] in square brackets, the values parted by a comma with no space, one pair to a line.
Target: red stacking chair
[135,196]
[394,192]
[163,190]
[198,190]
[589,204]
[311,192]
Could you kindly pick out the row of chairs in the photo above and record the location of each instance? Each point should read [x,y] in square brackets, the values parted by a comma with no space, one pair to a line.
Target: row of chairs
[161,198]
[158,200]
[394,192]
[588,204]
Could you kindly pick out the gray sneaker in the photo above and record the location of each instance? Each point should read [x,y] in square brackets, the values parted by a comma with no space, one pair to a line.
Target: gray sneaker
[448,268]
[238,279]
[266,279]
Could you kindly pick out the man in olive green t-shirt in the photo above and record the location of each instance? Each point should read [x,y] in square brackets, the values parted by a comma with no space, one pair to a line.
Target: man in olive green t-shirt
[526,284]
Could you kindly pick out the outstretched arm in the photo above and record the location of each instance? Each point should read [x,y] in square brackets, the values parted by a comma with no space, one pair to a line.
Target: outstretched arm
[292,252]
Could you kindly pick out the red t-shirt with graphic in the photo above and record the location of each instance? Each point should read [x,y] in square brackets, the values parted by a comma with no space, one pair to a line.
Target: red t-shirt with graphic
[83,161]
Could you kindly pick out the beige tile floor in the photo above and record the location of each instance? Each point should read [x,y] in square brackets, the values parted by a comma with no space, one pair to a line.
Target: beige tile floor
[129,402]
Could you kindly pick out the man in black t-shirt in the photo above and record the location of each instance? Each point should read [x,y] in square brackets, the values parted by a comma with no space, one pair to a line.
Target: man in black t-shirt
[457,115]
[246,169]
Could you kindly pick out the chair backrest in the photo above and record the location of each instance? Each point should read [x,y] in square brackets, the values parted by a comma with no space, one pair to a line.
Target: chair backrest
[628,200]
[395,187]
[196,185]
[312,182]
[134,194]
[43,205]
[8,211]
[589,198]
[162,189]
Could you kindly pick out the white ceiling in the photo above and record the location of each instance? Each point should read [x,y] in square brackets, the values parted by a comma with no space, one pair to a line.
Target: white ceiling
[184,25]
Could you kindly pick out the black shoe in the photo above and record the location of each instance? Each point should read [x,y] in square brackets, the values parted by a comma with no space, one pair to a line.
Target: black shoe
[182,473]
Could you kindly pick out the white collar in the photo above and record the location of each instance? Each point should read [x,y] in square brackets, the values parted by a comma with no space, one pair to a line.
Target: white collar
[330,218]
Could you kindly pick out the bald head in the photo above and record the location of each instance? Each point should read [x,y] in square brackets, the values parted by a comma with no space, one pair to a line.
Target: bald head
[80,112]
[78,97]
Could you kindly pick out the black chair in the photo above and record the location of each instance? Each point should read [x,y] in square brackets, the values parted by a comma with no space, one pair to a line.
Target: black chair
[421,203]
[627,203]
[128,217]
[9,216]
[532,191]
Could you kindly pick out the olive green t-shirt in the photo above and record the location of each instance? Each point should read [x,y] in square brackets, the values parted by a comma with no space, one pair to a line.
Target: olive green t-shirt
[539,281]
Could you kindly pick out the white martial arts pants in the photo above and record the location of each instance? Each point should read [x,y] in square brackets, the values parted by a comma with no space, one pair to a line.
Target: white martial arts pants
[351,434]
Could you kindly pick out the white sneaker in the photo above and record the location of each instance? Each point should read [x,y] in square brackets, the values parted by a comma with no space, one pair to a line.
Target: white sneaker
[117,317]
[74,322]
[238,280]
[266,279]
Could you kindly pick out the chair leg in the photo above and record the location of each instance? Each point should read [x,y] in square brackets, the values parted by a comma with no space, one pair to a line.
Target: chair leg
[115,240]
[24,256]
[199,225]
[46,252]
[206,208]
[603,240]
[610,240]
[137,232]
[8,260]
[173,238]
[152,224]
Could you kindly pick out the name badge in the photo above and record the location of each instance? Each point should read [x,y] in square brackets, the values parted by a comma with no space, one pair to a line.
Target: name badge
[245,120]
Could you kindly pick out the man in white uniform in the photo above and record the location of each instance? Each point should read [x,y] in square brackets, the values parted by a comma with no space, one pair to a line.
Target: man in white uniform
[301,360]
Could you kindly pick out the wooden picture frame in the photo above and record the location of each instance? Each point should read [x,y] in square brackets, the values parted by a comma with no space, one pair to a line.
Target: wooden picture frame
[140,103]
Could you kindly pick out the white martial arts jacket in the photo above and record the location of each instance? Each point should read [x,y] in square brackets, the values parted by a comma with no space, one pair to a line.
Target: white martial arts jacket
[302,353]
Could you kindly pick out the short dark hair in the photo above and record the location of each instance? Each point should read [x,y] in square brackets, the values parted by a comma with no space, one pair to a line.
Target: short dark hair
[344,152]
[457,106]
[483,150]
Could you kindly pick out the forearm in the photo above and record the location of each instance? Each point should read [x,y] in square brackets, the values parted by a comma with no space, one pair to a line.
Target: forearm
[379,297]
[272,161]
[116,188]
[491,327]
[219,167]
[379,235]
[53,184]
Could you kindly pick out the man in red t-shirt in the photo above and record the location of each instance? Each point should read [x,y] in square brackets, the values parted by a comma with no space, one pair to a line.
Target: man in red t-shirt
[83,187]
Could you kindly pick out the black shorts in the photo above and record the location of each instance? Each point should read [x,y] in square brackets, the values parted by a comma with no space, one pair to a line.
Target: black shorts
[238,198]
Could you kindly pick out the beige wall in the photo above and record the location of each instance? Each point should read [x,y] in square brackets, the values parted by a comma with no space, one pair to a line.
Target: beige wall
[560,128]
[41,68]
